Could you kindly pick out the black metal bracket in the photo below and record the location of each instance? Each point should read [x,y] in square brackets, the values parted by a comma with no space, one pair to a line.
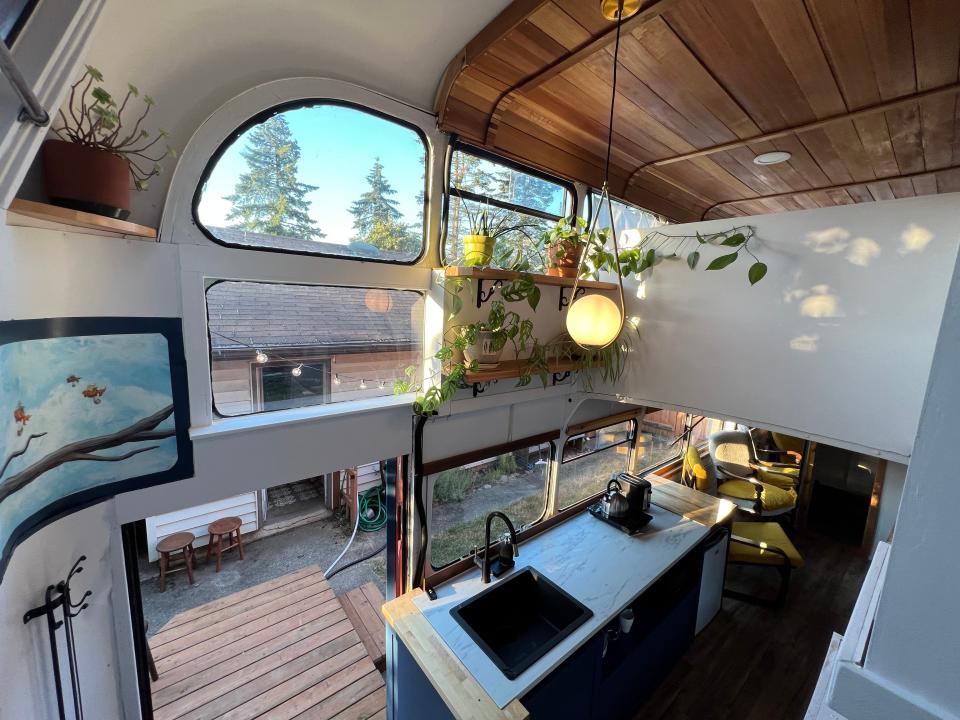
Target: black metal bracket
[482,296]
[481,387]
[565,301]
[560,377]
[58,596]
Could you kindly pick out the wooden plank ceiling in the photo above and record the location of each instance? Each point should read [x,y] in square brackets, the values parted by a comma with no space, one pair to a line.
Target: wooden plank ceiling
[862,93]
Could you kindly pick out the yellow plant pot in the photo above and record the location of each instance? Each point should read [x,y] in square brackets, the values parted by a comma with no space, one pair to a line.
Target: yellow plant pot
[478,249]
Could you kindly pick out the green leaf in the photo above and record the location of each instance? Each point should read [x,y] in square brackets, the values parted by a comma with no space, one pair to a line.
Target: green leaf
[456,305]
[94,73]
[133,89]
[734,240]
[756,272]
[721,262]
[534,298]
[692,259]
[650,257]
[700,239]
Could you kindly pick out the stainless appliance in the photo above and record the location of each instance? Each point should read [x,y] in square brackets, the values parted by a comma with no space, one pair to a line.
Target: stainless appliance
[625,503]
[711,578]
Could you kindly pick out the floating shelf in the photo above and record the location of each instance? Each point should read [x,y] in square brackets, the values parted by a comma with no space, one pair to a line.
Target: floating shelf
[511,369]
[27,213]
[494,274]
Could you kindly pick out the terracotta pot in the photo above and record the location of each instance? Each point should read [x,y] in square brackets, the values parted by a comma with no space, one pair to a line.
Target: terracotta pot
[567,265]
[478,249]
[87,179]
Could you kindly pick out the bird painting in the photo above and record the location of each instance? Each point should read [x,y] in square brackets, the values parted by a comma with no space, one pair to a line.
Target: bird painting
[94,393]
[73,380]
[20,417]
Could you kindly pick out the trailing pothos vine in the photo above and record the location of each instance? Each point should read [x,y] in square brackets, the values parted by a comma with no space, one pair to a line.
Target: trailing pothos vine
[506,326]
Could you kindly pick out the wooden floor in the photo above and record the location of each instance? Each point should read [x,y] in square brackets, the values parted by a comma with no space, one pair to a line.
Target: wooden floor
[283,649]
[754,663]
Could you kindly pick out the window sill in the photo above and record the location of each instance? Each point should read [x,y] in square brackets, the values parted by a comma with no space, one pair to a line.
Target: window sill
[298,416]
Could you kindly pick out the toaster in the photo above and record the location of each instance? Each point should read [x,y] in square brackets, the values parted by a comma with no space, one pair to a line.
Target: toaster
[638,491]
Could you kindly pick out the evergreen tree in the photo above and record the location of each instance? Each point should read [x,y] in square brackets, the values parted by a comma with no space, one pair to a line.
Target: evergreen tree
[267,197]
[377,219]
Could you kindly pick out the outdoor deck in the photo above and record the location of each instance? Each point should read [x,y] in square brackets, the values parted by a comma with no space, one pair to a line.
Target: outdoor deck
[278,650]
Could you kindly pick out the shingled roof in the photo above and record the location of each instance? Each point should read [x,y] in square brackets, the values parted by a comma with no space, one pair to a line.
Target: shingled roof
[237,236]
[267,315]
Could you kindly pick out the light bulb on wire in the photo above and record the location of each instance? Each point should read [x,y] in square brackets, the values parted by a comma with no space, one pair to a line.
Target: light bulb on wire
[336,378]
[363,384]
[297,371]
[261,357]
[381,384]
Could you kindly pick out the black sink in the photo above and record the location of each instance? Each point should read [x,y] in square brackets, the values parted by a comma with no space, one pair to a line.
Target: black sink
[518,620]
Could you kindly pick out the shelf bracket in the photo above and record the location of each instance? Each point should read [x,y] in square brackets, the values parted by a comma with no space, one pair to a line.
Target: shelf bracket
[564,300]
[560,377]
[482,296]
[481,386]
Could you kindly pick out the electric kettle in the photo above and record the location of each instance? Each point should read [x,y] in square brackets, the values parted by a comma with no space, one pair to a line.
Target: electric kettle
[615,503]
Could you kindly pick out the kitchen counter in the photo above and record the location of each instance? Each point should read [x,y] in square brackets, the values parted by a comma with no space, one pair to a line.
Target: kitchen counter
[600,566]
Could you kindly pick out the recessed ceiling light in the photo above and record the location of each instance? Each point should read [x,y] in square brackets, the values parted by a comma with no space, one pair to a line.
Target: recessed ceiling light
[772,158]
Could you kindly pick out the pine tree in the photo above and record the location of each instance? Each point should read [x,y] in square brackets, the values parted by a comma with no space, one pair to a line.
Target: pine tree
[377,219]
[267,197]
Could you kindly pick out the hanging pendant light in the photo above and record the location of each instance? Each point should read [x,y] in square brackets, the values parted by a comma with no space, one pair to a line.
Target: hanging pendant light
[594,321]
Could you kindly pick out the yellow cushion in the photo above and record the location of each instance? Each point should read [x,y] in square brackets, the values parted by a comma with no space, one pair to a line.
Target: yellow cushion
[693,467]
[773,498]
[766,532]
[777,478]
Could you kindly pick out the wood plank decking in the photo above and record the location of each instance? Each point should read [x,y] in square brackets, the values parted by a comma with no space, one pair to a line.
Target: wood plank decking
[282,649]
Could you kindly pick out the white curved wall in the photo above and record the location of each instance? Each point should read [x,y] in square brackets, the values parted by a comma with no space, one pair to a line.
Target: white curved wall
[834,344]
[192,57]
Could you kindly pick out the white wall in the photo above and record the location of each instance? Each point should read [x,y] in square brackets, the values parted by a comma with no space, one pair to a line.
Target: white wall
[915,638]
[890,496]
[835,343]
[26,681]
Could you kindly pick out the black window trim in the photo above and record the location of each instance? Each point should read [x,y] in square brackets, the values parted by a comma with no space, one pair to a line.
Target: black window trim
[268,113]
[631,437]
[457,144]
[213,402]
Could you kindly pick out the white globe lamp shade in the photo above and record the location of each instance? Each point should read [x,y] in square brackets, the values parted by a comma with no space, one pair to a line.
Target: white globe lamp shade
[594,321]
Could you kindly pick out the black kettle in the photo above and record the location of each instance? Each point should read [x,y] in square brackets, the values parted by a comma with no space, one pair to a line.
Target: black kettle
[615,503]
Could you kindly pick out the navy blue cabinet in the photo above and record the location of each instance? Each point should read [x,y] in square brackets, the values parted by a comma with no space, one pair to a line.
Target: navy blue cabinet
[568,692]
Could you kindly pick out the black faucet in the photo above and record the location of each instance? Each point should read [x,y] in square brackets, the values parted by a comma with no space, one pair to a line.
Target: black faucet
[505,558]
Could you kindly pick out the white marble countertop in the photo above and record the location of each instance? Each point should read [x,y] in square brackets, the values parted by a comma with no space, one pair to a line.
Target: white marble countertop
[600,566]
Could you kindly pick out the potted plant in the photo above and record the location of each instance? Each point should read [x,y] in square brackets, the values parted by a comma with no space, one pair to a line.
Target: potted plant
[479,243]
[482,342]
[567,241]
[88,167]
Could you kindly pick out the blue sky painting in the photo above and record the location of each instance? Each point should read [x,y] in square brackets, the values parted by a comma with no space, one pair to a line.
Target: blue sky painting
[87,392]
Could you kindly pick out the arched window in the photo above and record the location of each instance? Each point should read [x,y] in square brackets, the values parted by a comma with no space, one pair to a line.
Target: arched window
[319,178]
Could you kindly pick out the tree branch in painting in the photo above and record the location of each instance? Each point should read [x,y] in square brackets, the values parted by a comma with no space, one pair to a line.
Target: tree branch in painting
[141,430]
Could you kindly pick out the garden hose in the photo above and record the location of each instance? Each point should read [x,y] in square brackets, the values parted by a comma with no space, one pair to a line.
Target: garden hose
[373,511]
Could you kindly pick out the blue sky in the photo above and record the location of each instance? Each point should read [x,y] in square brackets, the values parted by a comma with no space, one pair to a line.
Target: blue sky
[338,146]
[136,372]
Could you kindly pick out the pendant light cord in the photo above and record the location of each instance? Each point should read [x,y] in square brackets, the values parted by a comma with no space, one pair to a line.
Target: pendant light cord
[613,99]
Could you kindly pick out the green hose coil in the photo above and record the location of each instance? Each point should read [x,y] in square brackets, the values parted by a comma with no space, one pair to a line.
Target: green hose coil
[373,509]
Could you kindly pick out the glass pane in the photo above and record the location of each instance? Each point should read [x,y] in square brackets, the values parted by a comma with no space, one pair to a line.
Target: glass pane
[590,459]
[324,179]
[501,182]
[322,343]
[657,437]
[629,220]
[514,483]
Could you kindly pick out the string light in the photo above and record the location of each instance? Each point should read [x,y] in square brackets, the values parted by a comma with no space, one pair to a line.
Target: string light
[381,384]
[261,357]
[363,384]
[297,371]
[336,378]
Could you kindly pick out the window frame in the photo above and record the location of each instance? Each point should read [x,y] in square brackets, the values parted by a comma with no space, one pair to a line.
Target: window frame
[630,441]
[448,190]
[257,386]
[256,380]
[436,575]
[298,104]
[588,204]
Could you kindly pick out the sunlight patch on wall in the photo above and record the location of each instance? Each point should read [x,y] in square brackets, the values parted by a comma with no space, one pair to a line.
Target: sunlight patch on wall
[862,251]
[829,241]
[805,343]
[817,302]
[914,239]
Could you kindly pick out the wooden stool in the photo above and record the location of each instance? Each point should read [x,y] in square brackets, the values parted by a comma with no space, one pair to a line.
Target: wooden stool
[181,541]
[220,529]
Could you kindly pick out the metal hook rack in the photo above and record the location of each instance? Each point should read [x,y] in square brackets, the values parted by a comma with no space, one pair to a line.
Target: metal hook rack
[58,597]
[482,296]
[565,301]
[560,377]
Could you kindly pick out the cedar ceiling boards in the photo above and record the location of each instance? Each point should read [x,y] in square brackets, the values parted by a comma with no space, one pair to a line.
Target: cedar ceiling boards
[862,93]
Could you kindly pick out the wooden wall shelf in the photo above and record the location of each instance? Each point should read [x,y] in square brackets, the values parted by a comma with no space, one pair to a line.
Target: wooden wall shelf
[511,369]
[27,213]
[495,274]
